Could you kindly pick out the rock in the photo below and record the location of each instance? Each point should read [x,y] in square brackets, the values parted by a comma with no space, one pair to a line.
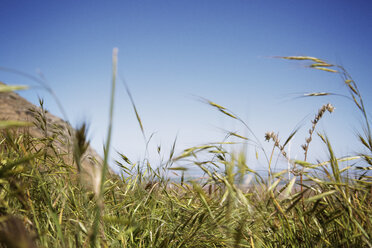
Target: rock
[16,108]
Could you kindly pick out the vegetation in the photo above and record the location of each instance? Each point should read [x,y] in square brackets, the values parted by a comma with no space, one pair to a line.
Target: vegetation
[45,202]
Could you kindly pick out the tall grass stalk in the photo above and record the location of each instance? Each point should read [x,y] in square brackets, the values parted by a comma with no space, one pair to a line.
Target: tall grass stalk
[100,201]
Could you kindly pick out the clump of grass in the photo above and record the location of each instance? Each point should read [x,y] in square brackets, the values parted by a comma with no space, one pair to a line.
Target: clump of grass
[230,206]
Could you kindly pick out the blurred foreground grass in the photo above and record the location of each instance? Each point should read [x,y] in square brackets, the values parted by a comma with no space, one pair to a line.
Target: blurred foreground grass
[44,202]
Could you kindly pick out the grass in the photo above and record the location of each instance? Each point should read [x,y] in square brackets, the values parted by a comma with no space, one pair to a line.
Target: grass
[44,202]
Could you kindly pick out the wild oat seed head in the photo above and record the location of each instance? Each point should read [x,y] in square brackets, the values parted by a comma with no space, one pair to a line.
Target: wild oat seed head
[330,108]
[268,136]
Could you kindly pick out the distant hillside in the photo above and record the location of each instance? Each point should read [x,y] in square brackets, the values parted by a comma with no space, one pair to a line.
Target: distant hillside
[15,107]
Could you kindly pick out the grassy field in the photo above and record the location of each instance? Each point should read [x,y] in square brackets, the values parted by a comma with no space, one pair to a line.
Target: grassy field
[46,201]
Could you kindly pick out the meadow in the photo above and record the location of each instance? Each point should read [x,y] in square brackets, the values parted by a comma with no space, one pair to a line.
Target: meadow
[46,201]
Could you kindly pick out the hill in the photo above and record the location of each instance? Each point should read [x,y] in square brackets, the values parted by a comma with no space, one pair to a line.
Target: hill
[15,108]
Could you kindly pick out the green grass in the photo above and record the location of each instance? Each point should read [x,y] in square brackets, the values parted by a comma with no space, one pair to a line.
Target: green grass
[46,203]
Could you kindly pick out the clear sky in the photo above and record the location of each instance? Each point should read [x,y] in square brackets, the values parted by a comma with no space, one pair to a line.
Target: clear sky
[172,52]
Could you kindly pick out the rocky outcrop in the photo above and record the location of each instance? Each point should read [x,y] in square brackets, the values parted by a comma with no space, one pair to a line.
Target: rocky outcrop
[16,108]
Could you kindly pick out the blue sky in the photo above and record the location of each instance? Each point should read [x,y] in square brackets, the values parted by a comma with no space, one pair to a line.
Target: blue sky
[172,52]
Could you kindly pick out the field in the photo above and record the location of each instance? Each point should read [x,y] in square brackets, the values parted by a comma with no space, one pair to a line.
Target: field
[46,200]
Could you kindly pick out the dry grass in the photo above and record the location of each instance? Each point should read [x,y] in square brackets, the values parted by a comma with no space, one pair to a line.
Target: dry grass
[45,200]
